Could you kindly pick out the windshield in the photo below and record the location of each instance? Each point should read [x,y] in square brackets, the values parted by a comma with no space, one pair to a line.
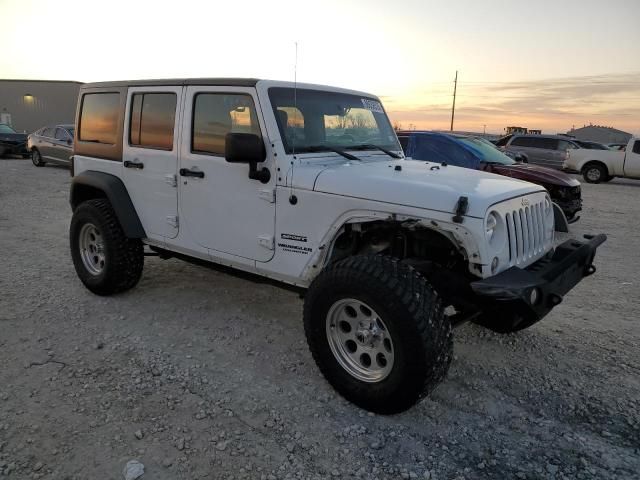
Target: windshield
[311,119]
[72,131]
[490,154]
[6,129]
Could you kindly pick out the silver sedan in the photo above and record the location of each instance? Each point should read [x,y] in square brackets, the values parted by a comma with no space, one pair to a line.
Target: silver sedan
[51,144]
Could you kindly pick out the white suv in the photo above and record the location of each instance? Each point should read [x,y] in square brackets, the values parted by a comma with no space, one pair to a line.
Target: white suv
[306,185]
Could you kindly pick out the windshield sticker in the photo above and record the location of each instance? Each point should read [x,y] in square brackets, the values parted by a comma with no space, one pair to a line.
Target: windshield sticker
[372,105]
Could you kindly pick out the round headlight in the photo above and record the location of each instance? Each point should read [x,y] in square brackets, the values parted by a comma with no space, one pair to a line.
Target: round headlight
[492,223]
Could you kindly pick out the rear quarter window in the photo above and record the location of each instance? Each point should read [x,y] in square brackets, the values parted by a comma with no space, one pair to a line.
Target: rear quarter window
[99,118]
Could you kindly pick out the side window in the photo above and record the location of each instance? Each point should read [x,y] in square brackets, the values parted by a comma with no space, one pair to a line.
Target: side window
[549,143]
[48,132]
[404,142]
[636,147]
[61,134]
[99,118]
[503,141]
[215,115]
[564,145]
[152,120]
[522,142]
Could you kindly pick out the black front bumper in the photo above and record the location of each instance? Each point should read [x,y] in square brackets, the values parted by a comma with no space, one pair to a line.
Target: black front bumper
[14,148]
[550,278]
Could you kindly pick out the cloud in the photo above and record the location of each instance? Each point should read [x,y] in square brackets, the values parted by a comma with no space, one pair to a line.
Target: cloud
[553,104]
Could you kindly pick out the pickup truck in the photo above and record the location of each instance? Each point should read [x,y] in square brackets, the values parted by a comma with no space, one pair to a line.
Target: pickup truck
[603,165]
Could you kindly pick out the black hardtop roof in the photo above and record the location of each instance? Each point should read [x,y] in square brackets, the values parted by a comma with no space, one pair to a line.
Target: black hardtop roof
[218,82]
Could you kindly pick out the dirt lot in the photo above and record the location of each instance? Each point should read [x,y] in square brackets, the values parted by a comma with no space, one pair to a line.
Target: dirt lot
[198,374]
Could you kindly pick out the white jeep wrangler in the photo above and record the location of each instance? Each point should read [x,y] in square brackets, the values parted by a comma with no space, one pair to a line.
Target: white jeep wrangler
[307,185]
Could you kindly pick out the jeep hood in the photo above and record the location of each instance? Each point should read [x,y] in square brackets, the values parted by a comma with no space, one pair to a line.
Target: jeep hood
[536,174]
[419,184]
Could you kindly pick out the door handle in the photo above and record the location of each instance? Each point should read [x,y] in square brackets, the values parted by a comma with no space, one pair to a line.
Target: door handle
[138,165]
[185,172]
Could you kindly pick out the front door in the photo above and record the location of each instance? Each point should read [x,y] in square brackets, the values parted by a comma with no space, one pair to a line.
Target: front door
[632,160]
[45,143]
[223,209]
[150,157]
[63,146]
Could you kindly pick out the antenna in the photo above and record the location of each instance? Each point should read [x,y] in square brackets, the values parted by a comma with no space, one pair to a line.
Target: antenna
[292,198]
[453,109]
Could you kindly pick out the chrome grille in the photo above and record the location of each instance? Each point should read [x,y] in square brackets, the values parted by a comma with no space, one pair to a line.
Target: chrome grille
[525,233]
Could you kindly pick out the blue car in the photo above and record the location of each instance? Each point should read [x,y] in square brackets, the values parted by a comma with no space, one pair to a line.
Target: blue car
[477,153]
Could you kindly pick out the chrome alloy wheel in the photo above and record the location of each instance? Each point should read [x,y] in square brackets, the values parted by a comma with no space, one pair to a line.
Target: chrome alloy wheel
[91,247]
[359,340]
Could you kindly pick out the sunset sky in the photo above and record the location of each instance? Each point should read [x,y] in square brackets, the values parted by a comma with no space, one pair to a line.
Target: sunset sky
[540,64]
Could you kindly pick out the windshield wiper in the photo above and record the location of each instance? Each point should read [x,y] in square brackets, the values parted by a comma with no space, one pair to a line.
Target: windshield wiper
[326,148]
[371,146]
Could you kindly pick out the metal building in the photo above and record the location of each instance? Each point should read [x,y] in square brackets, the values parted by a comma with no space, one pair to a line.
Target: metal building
[27,105]
[596,133]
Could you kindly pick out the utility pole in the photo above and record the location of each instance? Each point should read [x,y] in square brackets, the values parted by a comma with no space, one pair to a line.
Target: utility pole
[453,109]
[484,129]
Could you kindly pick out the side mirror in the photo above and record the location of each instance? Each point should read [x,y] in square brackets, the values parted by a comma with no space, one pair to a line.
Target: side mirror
[244,148]
[69,141]
[247,148]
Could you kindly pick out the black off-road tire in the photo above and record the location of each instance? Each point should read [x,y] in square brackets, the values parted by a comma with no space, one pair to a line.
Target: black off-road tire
[36,158]
[595,173]
[123,257]
[414,317]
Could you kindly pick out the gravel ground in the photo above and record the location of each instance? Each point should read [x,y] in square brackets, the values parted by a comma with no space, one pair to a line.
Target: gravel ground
[199,374]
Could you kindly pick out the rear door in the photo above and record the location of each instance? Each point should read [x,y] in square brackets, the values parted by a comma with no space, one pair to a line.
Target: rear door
[150,157]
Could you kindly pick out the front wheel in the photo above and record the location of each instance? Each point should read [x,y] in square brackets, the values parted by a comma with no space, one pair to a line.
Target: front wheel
[105,260]
[36,158]
[378,333]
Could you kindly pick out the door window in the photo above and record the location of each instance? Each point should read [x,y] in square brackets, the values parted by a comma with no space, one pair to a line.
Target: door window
[636,147]
[523,142]
[564,145]
[152,120]
[215,115]
[61,134]
[49,132]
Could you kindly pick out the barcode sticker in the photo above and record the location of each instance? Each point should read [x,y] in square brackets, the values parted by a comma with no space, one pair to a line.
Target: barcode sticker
[372,105]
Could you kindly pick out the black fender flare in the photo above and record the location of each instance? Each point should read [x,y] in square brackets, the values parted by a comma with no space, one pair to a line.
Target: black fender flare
[91,184]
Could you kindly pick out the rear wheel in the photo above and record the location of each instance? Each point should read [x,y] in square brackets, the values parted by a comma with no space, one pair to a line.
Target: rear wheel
[595,173]
[105,260]
[378,333]
[36,158]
